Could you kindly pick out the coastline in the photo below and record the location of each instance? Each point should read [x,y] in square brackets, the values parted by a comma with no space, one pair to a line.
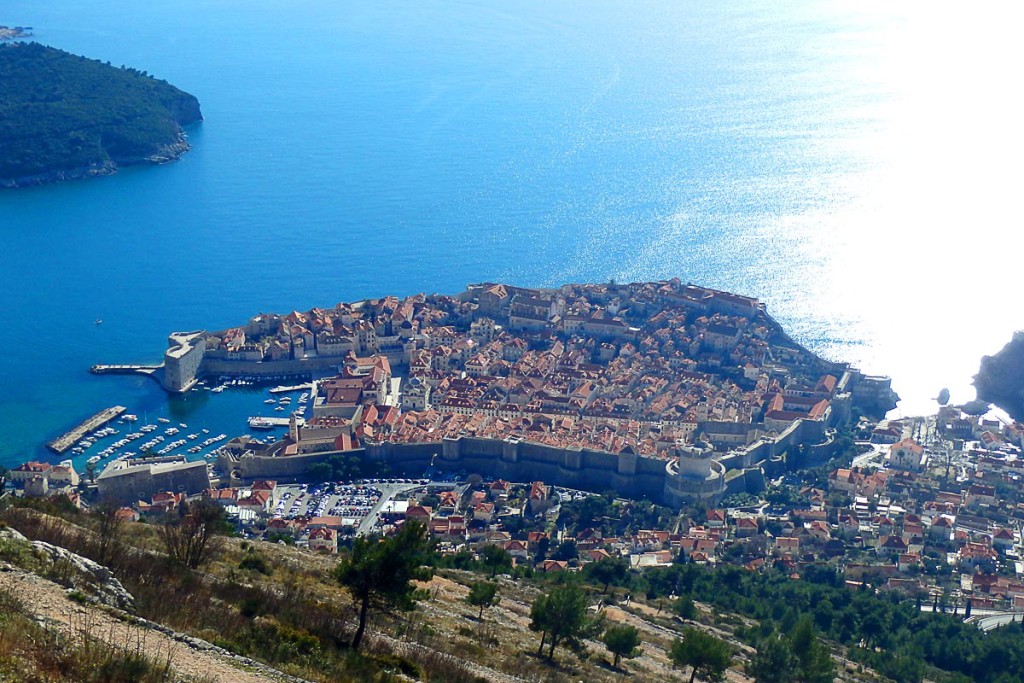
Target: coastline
[164,154]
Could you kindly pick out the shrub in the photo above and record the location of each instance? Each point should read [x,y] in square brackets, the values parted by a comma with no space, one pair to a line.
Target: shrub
[256,563]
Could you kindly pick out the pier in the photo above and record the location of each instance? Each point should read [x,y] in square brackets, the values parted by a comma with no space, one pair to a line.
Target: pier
[154,372]
[63,443]
[125,369]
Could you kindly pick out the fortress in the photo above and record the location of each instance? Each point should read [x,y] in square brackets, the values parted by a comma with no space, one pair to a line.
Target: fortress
[662,390]
[695,474]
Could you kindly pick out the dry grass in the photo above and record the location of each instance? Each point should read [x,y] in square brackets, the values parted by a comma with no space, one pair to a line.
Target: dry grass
[30,652]
[290,614]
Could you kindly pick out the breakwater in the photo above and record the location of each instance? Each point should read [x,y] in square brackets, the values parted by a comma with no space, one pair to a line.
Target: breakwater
[64,442]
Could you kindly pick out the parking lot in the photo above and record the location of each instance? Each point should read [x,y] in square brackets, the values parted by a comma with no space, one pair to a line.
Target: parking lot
[353,502]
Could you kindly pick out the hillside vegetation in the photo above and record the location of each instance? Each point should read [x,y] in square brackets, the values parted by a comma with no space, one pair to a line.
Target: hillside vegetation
[298,612]
[64,116]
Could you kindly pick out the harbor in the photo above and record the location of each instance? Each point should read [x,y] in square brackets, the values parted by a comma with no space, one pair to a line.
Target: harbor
[62,443]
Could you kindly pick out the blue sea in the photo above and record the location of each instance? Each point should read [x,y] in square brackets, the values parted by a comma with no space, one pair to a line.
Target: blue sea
[852,164]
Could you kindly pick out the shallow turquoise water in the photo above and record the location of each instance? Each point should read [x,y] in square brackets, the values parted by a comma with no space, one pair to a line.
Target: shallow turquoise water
[834,159]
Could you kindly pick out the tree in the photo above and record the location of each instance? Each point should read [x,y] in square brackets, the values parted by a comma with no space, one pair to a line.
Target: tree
[815,662]
[494,558]
[543,545]
[319,472]
[685,607]
[607,571]
[708,656]
[566,550]
[774,662]
[190,537]
[483,594]
[561,617]
[622,641]
[378,573]
[109,528]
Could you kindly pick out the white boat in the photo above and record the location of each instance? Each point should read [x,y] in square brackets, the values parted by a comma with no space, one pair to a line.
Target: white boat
[130,418]
[279,408]
[162,419]
[269,401]
[260,423]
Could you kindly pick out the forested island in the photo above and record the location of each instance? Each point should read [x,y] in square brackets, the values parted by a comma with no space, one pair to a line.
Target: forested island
[65,116]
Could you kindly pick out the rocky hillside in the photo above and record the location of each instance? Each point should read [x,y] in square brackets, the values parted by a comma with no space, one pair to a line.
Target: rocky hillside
[269,612]
[1000,380]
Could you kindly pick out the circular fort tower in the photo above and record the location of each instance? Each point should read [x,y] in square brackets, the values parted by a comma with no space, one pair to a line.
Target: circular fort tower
[694,476]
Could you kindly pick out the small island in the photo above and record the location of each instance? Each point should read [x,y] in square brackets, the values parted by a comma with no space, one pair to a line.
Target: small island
[15,32]
[63,116]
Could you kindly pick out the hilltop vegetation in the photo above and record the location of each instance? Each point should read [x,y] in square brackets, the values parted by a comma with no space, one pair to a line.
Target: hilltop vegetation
[299,613]
[66,116]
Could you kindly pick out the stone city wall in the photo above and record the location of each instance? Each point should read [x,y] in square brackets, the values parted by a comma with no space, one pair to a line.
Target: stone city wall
[580,468]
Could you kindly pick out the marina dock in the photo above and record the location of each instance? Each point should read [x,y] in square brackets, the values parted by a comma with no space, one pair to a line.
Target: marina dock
[63,443]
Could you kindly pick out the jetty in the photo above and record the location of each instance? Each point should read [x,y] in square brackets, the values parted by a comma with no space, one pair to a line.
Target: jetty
[63,443]
[125,369]
[152,371]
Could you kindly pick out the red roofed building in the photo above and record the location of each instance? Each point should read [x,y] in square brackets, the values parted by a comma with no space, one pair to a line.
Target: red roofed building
[419,513]
[323,539]
[517,549]
[23,473]
[906,455]
[256,501]
[540,497]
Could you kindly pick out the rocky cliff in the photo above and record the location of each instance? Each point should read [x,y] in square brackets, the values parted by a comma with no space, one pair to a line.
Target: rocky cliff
[1000,380]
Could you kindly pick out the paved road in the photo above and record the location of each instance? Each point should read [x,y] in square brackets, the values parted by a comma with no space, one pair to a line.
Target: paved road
[387,493]
[987,623]
[873,457]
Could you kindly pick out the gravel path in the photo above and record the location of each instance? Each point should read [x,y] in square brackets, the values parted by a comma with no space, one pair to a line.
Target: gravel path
[48,601]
